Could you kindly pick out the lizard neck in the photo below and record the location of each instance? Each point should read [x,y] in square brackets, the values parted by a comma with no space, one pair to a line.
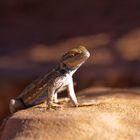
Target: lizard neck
[64,70]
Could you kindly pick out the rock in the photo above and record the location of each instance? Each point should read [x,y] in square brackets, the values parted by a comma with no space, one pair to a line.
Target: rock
[34,34]
[104,114]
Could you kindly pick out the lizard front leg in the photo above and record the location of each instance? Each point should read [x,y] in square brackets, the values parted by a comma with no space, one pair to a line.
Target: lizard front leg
[71,92]
[55,98]
[50,99]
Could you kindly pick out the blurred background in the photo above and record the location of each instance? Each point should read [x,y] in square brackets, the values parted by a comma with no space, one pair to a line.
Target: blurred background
[35,33]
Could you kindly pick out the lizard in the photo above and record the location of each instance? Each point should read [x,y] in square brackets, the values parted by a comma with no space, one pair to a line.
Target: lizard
[46,88]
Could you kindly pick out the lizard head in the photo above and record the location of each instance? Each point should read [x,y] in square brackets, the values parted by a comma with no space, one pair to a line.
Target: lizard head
[74,58]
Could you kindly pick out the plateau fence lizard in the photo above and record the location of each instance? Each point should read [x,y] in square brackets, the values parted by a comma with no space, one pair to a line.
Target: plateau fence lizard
[46,87]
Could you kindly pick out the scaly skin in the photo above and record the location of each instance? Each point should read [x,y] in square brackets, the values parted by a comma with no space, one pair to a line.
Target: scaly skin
[46,88]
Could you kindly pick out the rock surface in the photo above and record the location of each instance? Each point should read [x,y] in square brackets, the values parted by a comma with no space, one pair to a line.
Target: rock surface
[110,114]
[35,33]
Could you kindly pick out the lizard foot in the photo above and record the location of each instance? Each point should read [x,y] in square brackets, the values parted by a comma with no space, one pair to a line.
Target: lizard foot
[63,100]
[54,106]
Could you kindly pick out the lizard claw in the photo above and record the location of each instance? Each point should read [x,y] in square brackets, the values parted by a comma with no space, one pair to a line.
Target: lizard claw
[76,105]
[53,106]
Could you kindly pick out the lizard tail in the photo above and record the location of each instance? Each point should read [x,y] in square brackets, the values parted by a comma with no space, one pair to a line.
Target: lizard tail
[15,105]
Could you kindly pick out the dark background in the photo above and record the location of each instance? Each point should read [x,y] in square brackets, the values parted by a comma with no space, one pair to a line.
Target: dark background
[35,33]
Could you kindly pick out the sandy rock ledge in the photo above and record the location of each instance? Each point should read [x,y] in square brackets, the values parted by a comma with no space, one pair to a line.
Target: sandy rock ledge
[114,114]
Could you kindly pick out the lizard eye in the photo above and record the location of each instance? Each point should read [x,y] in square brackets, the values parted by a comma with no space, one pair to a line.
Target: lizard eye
[68,55]
[71,55]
